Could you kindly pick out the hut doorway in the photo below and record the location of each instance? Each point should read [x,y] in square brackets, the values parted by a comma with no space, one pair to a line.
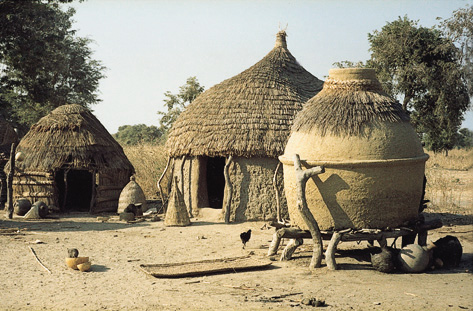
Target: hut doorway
[215,181]
[74,189]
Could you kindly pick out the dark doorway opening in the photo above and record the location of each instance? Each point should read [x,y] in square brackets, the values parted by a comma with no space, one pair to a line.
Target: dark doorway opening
[215,181]
[75,191]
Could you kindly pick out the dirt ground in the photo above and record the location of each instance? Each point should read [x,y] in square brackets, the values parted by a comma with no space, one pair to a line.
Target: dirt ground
[116,282]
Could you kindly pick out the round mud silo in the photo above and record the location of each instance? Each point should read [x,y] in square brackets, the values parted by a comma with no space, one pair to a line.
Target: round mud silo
[374,162]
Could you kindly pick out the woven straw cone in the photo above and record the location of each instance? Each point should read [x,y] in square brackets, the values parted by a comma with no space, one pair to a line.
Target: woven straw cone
[131,194]
[176,214]
[373,158]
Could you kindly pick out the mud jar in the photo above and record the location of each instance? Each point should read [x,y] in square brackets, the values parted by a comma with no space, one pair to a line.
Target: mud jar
[374,162]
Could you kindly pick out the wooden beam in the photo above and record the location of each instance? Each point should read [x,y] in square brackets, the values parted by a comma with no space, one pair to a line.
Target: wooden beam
[10,181]
[228,188]
[301,180]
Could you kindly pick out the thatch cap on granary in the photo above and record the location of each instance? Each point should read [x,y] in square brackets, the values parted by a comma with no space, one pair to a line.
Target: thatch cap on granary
[351,99]
[7,137]
[70,135]
[249,114]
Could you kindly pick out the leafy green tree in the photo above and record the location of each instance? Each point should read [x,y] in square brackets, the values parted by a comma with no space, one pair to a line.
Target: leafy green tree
[464,138]
[43,64]
[422,66]
[349,64]
[459,29]
[135,134]
[176,103]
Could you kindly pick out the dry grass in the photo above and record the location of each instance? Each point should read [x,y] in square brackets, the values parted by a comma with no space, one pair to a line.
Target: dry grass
[149,162]
[450,182]
[449,179]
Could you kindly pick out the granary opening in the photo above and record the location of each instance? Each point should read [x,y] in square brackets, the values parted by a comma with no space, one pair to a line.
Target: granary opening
[215,181]
[74,190]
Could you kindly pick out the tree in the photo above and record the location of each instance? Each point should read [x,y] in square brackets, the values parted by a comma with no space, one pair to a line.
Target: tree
[135,134]
[176,103]
[422,65]
[459,29]
[464,138]
[43,64]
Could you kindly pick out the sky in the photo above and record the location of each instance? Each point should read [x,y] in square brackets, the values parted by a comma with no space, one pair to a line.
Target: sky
[153,46]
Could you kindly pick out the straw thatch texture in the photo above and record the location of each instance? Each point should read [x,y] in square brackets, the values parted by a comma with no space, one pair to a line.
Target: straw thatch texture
[69,139]
[347,106]
[249,114]
[132,194]
[70,135]
[176,214]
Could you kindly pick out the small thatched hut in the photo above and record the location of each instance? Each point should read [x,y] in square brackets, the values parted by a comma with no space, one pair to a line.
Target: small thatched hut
[71,162]
[8,136]
[247,117]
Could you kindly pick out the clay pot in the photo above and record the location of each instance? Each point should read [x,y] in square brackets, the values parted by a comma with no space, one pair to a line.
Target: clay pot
[74,262]
[22,206]
[413,258]
[84,266]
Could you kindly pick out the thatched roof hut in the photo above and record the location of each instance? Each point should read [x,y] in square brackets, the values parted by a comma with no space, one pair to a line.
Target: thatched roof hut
[247,117]
[70,161]
[8,136]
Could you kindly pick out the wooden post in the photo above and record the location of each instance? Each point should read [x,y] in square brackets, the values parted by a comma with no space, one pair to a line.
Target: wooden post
[63,208]
[278,207]
[10,181]
[301,180]
[331,248]
[291,248]
[160,179]
[228,188]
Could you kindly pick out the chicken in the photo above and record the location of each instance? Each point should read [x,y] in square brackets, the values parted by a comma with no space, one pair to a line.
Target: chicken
[245,237]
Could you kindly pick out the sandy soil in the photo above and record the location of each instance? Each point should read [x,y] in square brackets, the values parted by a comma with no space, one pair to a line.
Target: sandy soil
[117,283]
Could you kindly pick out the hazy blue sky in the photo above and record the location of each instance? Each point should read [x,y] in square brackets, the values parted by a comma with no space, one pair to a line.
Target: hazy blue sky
[151,47]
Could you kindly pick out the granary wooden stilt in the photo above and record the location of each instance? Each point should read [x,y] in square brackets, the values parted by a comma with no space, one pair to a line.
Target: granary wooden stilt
[301,180]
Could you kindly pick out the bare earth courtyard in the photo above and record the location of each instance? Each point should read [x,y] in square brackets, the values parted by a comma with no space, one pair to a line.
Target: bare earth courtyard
[116,282]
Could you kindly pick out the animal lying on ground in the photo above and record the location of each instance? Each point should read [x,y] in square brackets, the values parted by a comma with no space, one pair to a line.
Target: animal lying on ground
[446,252]
[245,237]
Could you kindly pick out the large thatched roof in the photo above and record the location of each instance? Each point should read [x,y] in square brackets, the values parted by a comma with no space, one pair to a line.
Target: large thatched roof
[7,137]
[351,99]
[249,114]
[70,135]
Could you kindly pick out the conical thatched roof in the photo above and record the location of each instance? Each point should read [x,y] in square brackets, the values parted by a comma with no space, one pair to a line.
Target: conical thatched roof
[351,99]
[7,137]
[70,135]
[249,114]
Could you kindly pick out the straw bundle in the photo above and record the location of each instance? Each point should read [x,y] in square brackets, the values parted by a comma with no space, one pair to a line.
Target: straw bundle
[350,100]
[247,115]
[70,134]
[131,194]
[176,214]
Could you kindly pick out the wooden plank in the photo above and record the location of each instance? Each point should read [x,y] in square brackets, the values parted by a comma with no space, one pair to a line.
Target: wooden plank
[203,267]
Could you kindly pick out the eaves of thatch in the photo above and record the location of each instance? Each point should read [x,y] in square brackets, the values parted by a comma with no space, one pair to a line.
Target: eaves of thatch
[247,115]
[70,136]
[346,107]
